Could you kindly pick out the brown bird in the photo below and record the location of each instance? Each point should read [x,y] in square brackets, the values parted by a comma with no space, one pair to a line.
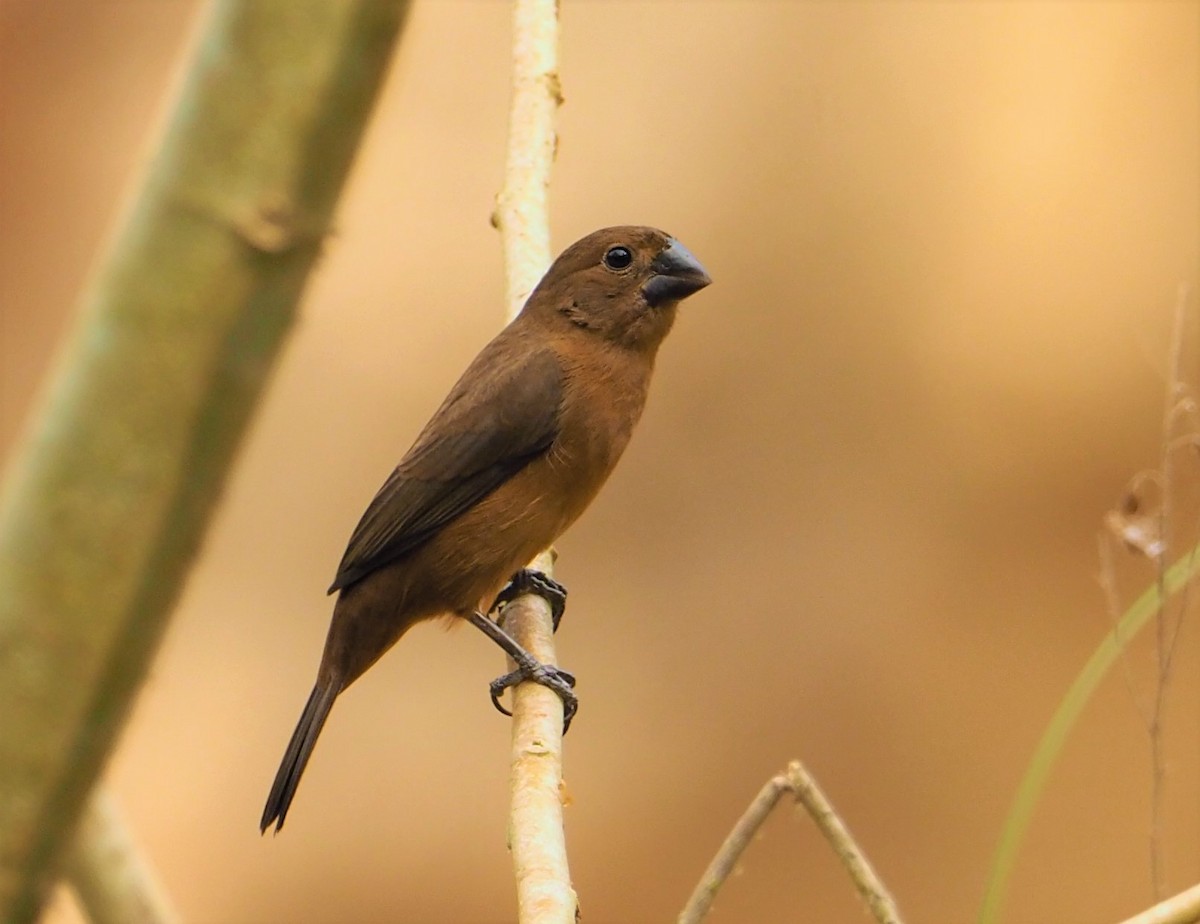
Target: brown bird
[515,453]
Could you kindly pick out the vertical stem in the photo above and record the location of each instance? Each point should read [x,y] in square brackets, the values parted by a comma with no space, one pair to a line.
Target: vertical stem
[1165,633]
[522,212]
[536,836]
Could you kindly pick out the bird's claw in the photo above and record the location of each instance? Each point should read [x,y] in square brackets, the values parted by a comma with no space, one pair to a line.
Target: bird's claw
[529,581]
[555,678]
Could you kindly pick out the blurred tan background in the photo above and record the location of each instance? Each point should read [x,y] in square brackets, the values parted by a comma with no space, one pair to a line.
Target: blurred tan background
[858,523]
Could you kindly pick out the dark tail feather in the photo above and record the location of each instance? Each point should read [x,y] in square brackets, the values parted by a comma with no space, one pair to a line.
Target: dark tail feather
[320,701]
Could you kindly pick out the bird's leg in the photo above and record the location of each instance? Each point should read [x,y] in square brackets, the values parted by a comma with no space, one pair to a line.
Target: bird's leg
[529,581]
[528,668]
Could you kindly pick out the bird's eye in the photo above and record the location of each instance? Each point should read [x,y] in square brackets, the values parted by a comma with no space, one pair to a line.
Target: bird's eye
[617,258]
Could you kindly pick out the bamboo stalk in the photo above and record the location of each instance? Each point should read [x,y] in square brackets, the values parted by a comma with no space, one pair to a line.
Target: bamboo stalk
[110,877]
[105,507]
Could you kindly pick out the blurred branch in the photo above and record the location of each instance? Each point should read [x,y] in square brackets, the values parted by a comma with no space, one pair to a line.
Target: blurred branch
[801,784]
[110,879]
[106,505]
[1149,535]
[1183,908]
[536,835]
[1166,634]
[1055,736]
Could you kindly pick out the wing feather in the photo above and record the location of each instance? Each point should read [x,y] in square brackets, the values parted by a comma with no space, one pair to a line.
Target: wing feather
[502,414]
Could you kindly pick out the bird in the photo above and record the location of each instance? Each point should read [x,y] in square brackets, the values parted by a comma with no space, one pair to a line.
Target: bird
[517,450]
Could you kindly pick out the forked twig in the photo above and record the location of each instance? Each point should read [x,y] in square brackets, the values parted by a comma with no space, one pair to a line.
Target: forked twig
[801,784]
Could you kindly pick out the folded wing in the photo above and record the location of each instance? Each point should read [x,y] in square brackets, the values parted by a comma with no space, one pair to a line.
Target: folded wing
[502,414]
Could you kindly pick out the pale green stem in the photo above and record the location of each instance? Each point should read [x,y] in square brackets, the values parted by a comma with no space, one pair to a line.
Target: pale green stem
[105,507]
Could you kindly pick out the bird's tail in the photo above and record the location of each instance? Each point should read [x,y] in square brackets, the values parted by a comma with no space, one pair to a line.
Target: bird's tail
[299,749]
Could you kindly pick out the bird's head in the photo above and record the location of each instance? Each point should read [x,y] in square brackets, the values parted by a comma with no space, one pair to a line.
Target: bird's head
[622,284]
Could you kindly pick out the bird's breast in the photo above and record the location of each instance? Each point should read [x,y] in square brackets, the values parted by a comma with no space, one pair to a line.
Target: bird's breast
[603,398]
[601,403]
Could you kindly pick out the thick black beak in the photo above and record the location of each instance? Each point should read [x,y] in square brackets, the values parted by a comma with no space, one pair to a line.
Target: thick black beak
[676,275]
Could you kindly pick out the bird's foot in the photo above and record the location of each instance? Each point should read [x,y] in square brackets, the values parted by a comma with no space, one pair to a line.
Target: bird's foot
[529,581]
[554,678]
[528,668]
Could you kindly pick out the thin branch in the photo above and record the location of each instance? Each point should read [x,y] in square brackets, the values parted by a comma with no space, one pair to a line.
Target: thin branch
[1165,635]
[1078,695]
[870,887]
[801,784]
[735,844]
[1149,534]
[107,502]
[536,835]
[111,880]
[1112,599]
[1183,908]
[522,214]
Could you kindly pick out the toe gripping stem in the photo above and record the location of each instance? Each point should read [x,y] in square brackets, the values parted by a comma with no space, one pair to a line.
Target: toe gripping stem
[528,668]
[529,581]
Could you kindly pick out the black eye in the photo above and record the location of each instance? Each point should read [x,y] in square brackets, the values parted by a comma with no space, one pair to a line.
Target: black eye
[617,258]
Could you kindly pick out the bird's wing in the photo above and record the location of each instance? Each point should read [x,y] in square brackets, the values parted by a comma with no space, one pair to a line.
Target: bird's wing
[501,415]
